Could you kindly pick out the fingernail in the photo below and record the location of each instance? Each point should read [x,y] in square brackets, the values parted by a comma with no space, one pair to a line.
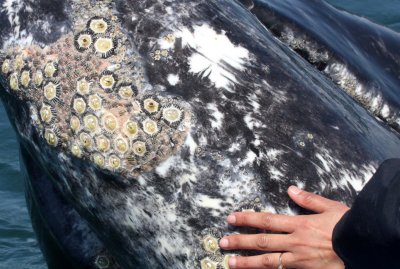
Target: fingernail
[294,190]
[232,262]
[231,219]
[224,243]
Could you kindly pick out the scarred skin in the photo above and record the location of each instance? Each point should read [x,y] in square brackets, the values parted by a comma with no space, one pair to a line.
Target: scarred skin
[306,240]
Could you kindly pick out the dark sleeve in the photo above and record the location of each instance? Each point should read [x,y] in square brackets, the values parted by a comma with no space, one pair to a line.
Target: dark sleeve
[368,235]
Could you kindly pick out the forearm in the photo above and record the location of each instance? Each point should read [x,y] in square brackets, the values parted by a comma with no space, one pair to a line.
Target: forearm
[368,236]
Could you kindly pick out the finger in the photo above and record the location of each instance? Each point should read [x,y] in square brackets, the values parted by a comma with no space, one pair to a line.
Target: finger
[266,261]
[263,242]
[264,221]
[310,201]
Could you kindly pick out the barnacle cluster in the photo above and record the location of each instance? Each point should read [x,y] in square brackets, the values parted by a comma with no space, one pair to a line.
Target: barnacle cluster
[92,103]
[211,256]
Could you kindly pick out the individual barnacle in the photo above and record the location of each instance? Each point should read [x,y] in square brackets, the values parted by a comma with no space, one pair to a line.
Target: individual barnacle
[102,143]
[150,127]
[50,70]
[38,78]
[139,148]
[172,114]
[110,122]
[95,102]
[98,25]
[131,128]
[114,162]
[108,80]
[99,160]
[126,91]
[25,78]
[51,137]
[104,46]
[83,41]
[170,38]
[76,150]
[206,263]
[210,243]
[46,114]
[225,262]
[83,86]
[75,123]
[5,67]
[19,63]
[151,105]
[79,105]
[86,140]
[91,122]
[50,90]
[164,53]
[121,145]
[14,83]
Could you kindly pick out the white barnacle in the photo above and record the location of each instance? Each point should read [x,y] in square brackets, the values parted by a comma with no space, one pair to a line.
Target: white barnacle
[131,128]
[206,263]
[75,123]
[107,80]
[151,105]
[51,137]
[46,114]
[83,86]
[114,162]
[19,63]
[139,148]
[102,143]
[76,150]
[210,244]
[126,91]
[104,46]
[50,69]
[109,122]
[99,160]
[121,145]
[50,91]
[172,114]
[25,78]
[86,140]
[150,127]
[79,105]
[38,78]
[5,67]
[98,25]
[14,82]
[91,122]
[95,102]
[83,41]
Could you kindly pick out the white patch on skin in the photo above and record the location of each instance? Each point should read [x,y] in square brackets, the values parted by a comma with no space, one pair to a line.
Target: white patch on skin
[272,154]
[191,144]
[275,173]
[205,201]
[216,123]
[252,122]
[214,55]
[173,79]
[163,168]
[234,147]
[251,157]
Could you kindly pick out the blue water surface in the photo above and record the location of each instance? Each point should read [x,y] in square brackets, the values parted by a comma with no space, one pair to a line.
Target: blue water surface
[18,246]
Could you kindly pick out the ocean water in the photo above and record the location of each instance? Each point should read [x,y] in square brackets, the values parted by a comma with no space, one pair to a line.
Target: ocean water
[18,246]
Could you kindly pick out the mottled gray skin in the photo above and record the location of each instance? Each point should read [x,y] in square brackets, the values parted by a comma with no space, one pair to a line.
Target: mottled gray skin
[275,121]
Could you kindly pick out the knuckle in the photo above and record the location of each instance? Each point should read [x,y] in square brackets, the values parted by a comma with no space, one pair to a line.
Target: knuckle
[242,262]
[234,242]
[262,242]
[267,221]
[266,261]
[308,198]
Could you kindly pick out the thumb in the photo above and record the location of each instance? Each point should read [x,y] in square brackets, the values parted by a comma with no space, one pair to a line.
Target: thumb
[309,200]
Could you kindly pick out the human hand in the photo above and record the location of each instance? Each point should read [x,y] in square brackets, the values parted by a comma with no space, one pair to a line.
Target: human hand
[306,244]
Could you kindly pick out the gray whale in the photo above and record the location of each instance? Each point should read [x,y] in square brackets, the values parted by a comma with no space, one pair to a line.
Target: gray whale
[152,120]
